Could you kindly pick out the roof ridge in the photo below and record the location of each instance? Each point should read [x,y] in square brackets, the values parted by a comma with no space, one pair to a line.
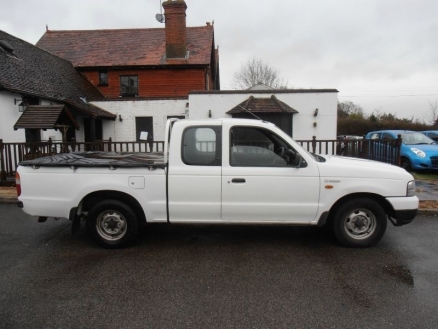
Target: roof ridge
[124,29]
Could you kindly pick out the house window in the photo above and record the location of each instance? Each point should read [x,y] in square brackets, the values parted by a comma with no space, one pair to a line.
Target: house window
[129,85]
[103,78]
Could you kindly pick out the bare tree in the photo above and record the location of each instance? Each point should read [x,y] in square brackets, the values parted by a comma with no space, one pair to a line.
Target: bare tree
[432,116]
[255,71]
[349,109]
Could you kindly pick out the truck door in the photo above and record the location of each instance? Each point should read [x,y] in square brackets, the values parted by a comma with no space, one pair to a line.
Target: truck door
[194,178]
[258,184]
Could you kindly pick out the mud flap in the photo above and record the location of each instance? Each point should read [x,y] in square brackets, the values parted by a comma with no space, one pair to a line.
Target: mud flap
[76,220]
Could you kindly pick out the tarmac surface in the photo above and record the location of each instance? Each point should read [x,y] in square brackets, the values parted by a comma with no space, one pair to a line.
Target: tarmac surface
[218,276]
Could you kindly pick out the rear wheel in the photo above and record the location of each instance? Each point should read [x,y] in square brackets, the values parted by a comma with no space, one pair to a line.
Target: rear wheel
[112,224]
[360,223]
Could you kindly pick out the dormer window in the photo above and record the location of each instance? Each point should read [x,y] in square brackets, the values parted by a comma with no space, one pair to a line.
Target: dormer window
[103,78]
[129,85]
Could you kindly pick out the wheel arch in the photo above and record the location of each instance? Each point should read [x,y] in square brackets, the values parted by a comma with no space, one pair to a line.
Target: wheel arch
[387,207]
[97,196]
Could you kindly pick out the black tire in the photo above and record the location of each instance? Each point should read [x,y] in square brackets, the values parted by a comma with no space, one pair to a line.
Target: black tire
[112,224]
[406,164]
[360,223]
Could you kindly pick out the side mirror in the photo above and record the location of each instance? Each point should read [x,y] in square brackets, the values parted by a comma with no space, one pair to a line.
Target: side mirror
[296,162]
[293,159]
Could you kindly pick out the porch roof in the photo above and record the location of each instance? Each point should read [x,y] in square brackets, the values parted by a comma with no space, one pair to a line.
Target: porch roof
[46,117]
[262,105]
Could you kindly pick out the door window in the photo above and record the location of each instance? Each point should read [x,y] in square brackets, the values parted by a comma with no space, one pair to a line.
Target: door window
[258,147]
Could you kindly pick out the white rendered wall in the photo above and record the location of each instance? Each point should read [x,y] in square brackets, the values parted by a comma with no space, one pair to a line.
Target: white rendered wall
[9,115]
[303,122]
[129,110]
[199,106]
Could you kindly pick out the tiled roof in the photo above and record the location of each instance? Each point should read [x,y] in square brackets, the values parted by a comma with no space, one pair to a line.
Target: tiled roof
[29,70]
[262,105]
[126,47]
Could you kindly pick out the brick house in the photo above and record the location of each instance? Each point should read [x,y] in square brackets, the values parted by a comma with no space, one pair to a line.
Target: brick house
[145,75]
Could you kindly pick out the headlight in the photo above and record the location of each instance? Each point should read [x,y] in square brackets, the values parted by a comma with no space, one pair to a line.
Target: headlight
[410,191]
[418,152]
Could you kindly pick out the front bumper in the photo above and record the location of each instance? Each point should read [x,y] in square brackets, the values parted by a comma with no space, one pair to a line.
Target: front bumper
[403,217]
[405,209]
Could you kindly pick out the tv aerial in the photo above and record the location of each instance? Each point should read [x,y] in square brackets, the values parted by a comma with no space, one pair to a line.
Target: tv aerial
[160,17]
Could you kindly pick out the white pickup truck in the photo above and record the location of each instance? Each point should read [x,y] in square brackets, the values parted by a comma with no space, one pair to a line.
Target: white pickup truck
[220,172]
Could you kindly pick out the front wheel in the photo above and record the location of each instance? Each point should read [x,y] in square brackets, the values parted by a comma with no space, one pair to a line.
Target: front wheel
[360,223]
[406,164]
[112,224]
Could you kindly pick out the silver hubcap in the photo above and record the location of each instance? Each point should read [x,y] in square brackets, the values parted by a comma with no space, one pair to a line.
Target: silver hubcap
[360,224]
[111,225]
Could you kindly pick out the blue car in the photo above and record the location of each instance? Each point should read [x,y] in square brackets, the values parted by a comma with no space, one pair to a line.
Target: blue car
[432,134]
[417,152]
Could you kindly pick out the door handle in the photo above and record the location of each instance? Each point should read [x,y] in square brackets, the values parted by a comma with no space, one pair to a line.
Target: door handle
[238,180]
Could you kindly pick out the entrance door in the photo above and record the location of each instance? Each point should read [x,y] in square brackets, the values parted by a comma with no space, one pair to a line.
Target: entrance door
[144,130]
[258,183]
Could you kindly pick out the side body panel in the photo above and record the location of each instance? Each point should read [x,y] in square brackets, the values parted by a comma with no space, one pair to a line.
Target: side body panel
[53,191]
[194,190]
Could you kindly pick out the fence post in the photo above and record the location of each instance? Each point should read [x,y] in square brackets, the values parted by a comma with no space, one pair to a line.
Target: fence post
[73,144]
[2,161]
[110,140]
[313,144]
[398,144]
[50,144]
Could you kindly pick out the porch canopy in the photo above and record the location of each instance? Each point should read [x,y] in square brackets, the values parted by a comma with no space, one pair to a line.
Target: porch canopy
[269,109]
[46,117]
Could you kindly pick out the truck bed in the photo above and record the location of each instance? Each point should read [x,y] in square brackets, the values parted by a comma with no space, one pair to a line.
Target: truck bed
[99,159]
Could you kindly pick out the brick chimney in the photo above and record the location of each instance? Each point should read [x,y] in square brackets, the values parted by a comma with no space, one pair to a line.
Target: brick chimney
[176,39]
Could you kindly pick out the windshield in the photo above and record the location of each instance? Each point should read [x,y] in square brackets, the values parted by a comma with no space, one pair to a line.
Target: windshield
[415,138]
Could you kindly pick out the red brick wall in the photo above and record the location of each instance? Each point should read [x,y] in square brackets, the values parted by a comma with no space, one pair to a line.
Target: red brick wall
[153,83]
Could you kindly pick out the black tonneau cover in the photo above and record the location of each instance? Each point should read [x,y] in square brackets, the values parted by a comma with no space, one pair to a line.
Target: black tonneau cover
[99,159]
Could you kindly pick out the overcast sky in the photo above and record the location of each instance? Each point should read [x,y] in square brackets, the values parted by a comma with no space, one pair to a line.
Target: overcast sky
[379,54]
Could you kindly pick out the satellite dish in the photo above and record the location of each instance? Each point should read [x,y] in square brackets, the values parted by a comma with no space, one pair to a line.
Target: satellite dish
[159,18]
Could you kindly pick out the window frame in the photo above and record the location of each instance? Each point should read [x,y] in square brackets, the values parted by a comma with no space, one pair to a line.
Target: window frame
[128,94]
[217,161]
[101,81]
